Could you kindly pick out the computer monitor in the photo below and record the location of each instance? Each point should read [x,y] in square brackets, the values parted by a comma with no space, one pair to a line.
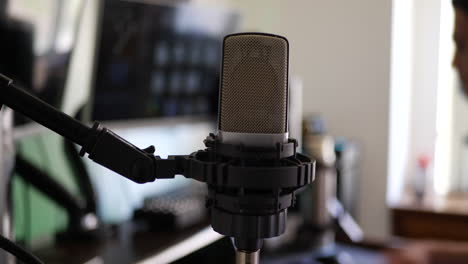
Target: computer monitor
[159,60]
[156,83]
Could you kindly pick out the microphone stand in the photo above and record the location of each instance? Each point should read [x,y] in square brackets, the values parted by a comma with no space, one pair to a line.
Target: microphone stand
[243,257]
[250,188]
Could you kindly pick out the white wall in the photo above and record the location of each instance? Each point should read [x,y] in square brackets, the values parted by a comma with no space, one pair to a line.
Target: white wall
[459,165]
[452,124]
[400,97]
[415,75]
[424,98]
[341,49]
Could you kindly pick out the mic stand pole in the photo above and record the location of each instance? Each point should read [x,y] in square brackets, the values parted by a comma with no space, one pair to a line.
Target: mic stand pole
[243,257]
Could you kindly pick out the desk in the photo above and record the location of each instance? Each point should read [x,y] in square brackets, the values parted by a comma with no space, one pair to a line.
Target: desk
[166,247]
[349,254]
[441,219]
[132,246]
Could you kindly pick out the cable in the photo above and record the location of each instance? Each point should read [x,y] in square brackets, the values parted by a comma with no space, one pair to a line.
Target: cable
[18,251]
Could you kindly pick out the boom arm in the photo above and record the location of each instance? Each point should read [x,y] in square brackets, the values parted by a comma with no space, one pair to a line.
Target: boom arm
[103,146]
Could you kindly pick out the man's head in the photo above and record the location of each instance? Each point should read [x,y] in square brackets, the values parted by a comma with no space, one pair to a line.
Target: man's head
[460,60]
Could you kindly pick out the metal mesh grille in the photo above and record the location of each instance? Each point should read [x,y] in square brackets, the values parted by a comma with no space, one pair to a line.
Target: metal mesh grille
[254,84]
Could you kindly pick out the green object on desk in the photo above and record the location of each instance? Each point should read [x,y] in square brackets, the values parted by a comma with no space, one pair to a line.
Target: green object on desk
[36,218]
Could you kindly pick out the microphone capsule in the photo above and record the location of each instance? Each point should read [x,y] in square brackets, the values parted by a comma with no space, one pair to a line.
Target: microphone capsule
[253,107]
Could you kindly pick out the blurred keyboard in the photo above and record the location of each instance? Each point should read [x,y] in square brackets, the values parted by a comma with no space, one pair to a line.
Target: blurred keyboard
[177,210]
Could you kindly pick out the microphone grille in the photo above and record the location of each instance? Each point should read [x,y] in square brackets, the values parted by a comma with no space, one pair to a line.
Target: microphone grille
[254,84]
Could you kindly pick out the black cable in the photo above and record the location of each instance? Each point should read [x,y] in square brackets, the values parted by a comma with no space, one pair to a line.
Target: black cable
[81,175]
[18,251]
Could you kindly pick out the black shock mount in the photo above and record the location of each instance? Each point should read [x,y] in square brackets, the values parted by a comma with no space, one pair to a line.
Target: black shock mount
[250,188]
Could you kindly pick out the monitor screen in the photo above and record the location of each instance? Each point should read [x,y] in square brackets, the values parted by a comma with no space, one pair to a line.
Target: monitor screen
[156,83]
[159,60]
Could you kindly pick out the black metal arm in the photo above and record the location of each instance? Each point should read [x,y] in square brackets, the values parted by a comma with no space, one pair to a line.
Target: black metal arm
[103,146]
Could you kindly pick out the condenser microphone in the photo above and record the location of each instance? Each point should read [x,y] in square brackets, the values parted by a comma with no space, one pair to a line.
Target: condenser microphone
[253,107]
[252,168]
